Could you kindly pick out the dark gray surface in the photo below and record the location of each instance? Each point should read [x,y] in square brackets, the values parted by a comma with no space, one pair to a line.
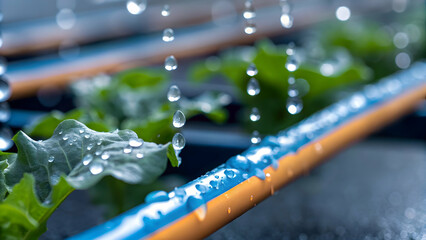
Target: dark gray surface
[373,190]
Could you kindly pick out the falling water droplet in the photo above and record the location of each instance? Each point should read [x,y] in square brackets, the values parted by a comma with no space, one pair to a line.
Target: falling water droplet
[87,159]
[51,159]
[5,138]
[170,63]
[259,173]
[139,155]
[96,168]
[165,11]
[105,155]
[90,146]
[292,64]
[135,142]
[250,27]
[286,20]
[198,206]
[255,137]
[173,94]
[229,173]
[156,196]
[251,70]
[293,91]
[4,89]
[294,105]
[290,49]
[249,11]
[254,115]
[253,87]
[4,112]
[127,149]
[178,141]
[179,119]
[136,7]
[168,35]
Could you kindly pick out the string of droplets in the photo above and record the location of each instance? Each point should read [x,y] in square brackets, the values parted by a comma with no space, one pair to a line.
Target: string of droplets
[5,131]
[174,94]
[294,103]
[249,15]
[286,18]
[253,89]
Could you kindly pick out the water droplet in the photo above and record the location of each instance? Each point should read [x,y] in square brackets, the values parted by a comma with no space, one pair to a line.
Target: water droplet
[343,13]
[5,138]
[253,87]
[259,173]
[286,20]
[89,147]
[139,155]
[127,149]
[179,193]
[251,70]
[251,198]
[292,64]
[98,152]
[198,206]
[165,11]
[96,168]
[51,159]
[60,133]
[294,105]
[105,155]
[290,48]
[254,115]
[179,119]
[178,141]
[65,18]
[87,136]
[65,138]
[87,159]
[99,142]
[229,210]
[173,94]
[156,196]
[168,35]
[202,188]
[214,184]
[170,63]
[229,173]
[293,91]
[4,89]
[136,7]
[81,131]
[255,137]
[4,112]
[250,27]
[249,11]
[135,142]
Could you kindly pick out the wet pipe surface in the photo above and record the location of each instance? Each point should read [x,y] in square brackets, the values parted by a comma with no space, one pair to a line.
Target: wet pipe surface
[202,206]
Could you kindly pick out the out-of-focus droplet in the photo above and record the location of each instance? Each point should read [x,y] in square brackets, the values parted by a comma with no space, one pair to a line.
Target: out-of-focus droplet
[253,87]
[170,63]
[4,89]
[5,138]
[343,13]
[251,70]
[403,60]
[249,11]
[49,95]
[292,64]
[178,141]
[254,115]
[166,10]
[294,105]
[173,94]
[65,18]
[255,137]
[401,40]
[4,112]
[136,7]
[250,27]
[168,35]
[286,20]
[179,119]
[293,91]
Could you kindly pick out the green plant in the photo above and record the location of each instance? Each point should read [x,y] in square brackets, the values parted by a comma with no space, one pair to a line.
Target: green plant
[34,181]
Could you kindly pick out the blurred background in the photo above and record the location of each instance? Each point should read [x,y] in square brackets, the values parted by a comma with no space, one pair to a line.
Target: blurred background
[101,62]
